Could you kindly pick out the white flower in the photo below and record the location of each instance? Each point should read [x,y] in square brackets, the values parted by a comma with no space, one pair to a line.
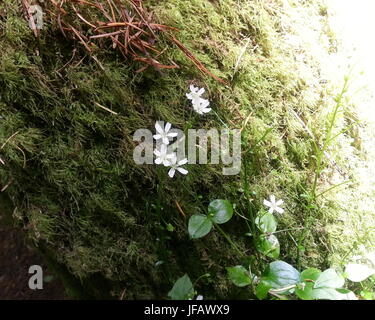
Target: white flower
[162,156]
[200,297]
[274,205]
[195,94]
[177,166]
[202,107]
[164,134]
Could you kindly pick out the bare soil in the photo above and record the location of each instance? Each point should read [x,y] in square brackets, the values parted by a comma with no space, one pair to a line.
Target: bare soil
[16,256]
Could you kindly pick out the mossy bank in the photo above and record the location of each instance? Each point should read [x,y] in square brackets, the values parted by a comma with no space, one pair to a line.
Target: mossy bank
[105,222]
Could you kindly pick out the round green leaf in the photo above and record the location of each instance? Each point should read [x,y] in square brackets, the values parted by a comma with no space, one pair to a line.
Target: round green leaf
[268,245]
[266,223]
[199,226]
[280,274]
[239,276]
[221,211]
[329,279]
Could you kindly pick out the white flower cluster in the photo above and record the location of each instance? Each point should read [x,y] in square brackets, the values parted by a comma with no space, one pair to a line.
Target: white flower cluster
[200,105]
[162,155]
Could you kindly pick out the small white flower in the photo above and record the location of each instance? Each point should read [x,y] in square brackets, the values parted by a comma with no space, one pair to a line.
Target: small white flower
[164,134]
[162,156]
[202,107]
[200,297]
[274,205]
[195,94]
[177,166]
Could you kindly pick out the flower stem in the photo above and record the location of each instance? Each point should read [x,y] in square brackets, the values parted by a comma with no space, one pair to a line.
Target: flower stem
[234,246]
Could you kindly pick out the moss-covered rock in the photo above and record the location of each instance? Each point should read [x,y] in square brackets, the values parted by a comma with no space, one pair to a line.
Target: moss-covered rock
[74,185]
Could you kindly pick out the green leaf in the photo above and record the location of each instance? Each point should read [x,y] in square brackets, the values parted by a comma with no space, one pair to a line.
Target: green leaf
[329,279]
[310,274]
[221,211]
[266,223]
[239,276]
[331,294]
[268,245]
[199,226]
[280,274]
[170,228]
[358,272]
[182,289]
[262,290]
[304,290]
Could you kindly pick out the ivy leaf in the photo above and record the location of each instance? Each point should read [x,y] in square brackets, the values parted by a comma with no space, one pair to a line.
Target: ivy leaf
[358,272]
[268,245]
[266,223]
[221,211]
[182,289]
[199,226]
[239,276]
[329,279]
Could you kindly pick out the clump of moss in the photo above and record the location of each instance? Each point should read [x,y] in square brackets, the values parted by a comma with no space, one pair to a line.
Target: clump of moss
[75,186]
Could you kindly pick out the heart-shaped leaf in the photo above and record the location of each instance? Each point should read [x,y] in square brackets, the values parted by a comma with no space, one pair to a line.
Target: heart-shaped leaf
[199,226]
[220,211]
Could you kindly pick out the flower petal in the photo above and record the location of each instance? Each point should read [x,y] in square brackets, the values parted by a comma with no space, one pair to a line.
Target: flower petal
[267,203]
[182,170]
[172,134]
[272,199]
[182,162]
[279,210]
[158,161]
[165,141]
[157,136]
[171,172]
[201,91]
[163,149]
[168,127]
[279,202]
[158,128]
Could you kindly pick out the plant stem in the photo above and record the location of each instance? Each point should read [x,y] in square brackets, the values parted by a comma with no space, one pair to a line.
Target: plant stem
[234,246]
